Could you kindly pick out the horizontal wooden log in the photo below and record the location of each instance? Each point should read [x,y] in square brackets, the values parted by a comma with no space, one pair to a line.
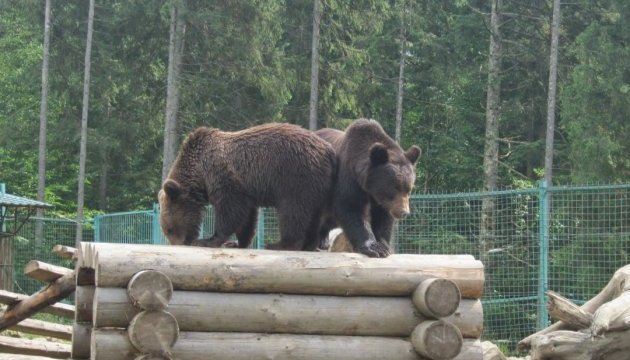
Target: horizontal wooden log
[437,340]
[10,345]
[59,309]
[115,345]
[42,271]
[66,252]
[81,337]
[240,270]
[44,328]
[297,314]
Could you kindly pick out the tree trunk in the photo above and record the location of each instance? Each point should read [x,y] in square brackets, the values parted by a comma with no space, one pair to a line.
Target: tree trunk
[317,16]
[491,153]
[551,94]
[84,121]
[43,119]
[175,50]
[401,75]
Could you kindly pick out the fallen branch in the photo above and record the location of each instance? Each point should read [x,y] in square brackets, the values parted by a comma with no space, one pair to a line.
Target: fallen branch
[59,309]
[58,290]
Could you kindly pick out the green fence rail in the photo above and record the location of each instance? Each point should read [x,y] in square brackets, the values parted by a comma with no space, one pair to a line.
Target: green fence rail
[569,239]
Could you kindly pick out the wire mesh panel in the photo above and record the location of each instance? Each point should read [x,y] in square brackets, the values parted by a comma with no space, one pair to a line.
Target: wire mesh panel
[28,245]
[501,229]
[589,238]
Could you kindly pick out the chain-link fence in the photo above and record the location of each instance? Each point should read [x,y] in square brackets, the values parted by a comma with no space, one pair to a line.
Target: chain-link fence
[567,239]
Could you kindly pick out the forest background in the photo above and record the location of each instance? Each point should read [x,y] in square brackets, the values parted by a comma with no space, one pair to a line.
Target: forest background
[249,62]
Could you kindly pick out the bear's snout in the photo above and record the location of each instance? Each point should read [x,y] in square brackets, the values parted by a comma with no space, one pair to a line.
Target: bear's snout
[401,209]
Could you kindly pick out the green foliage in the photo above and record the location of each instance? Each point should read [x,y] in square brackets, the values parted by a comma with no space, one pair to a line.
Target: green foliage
[246,63]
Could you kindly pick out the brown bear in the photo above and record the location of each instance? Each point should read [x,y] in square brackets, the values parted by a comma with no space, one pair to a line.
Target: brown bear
[275,165]
[374,180]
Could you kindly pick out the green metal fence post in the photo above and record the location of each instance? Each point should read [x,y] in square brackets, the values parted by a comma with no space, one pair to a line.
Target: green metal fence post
[155,225]
[260,229]
[97,228]
[543,258]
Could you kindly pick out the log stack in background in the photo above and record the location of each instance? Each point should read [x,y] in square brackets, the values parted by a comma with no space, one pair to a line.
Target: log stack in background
[152,302]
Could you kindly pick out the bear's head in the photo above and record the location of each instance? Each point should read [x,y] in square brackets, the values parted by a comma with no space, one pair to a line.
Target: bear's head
[180,213]
[391,176]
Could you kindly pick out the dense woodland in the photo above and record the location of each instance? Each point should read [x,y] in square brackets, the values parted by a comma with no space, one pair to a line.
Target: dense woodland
[249,62]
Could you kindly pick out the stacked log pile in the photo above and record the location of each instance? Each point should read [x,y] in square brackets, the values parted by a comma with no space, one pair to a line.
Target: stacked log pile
[158,302]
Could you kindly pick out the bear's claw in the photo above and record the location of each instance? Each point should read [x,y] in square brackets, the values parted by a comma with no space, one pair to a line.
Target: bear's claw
[375,249]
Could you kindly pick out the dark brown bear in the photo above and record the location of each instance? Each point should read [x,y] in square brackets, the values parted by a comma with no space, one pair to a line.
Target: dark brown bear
[375,179]
[275,165]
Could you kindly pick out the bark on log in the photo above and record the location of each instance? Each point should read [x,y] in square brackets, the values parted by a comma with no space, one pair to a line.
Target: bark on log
[150,290]
[54,292]
[84,299]
[10,345]
[42,271]
[44,328]
[437,298]
[297,314]
[560,308]
[115,345]
[437,340]
[619,283]
[81,335]
[66,252]
[59,309]
[239,270]
[153,332]
[573,345]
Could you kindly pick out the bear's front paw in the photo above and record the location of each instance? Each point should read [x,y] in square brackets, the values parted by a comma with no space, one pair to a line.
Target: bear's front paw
[230,244]
[202,243]
[375,249]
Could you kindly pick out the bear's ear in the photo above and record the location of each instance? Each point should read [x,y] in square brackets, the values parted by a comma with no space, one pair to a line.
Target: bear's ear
[413,154]
[172,189]
[378,154]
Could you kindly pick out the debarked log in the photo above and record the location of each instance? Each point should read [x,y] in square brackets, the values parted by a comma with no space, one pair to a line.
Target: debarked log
[115,345]
[266,271]
[297,314]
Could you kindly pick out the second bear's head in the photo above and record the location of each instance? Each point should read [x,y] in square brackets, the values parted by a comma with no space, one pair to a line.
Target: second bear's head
[391,176]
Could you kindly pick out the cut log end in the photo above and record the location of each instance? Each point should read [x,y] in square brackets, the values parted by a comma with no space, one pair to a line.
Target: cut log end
[44,272]
[437,340]
[150,290]
[153,332]
[65,252]
[437,298]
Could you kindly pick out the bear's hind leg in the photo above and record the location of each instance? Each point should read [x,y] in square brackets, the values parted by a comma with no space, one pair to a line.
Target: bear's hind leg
[229,215]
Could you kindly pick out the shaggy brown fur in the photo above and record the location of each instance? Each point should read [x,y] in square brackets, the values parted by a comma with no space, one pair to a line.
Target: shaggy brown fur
[375,179]
[271,165]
